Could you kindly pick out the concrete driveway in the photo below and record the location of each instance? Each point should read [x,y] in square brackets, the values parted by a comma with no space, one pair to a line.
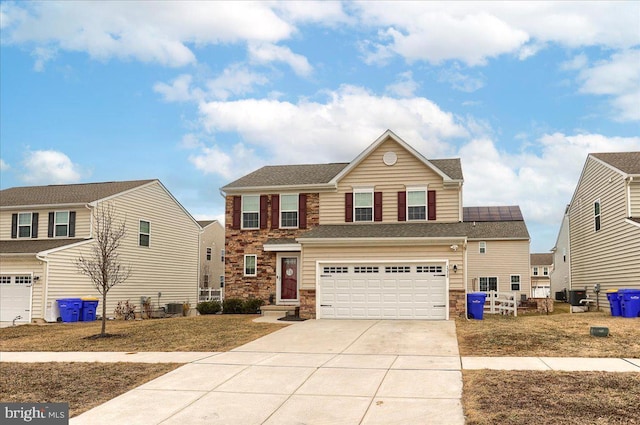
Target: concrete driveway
[313,372]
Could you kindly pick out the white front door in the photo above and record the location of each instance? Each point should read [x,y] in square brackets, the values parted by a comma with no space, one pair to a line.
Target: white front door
[288,278]
[15,297]
[383,291]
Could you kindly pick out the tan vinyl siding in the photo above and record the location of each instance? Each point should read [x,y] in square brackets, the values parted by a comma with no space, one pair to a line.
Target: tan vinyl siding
[560,276]
[312,254]
[502,259]
[28,266]
[169,265]
[634,192]
[408,171]
[212,237]
[83,221]
[610,256]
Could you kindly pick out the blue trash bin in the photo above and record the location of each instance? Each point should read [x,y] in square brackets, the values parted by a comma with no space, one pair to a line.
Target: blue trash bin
[70,309]
[614,303]
[88,312]
[629,302]
[475,305]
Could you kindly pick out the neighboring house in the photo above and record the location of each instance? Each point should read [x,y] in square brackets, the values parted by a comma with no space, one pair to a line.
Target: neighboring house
[45,229]
[561,273]
[541,269]
[383,236]
[604,224]
[211,260]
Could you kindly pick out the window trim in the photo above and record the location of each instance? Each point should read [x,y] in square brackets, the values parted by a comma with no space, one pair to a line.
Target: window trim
[255,265]
[222,254]
[536,271]
[282,210]
[141,233]
[56,224]
[30,226]
[482,247]
[545,271]
[361,190]
[597,217]
[512,283]
[243,212]
[221,281]
[488,283]
[208,253]
[426,202]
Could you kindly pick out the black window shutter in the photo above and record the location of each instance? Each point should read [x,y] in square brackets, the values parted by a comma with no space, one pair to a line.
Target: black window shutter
[14,226]
[72,224]
[34,225]
[50,229]
[431,204]
[263,211]
[377,206]
[236,212]
[348,207]
[402,206]
[302,211]
[275,211]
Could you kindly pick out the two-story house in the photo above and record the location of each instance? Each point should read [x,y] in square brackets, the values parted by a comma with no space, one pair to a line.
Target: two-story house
[541,269]
[211,260]
[45,229]
[604,224]
[383,236]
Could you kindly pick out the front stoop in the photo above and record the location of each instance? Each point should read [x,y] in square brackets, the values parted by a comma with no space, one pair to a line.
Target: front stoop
[277,311]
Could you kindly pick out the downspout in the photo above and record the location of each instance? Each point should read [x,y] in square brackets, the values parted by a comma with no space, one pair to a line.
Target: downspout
[90,207]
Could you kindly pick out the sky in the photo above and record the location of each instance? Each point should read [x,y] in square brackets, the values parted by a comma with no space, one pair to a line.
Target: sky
[197,94]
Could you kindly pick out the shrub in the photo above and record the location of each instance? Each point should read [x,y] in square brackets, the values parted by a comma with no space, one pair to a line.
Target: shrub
[209,307]
[252,305]
[232,306]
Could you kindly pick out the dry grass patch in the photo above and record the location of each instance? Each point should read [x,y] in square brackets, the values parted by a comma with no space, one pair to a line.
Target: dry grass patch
[82,385]
[550,398]
[555,335]
[200,333]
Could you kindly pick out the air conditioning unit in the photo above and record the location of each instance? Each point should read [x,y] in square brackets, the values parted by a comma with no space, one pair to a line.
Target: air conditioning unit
[174,308]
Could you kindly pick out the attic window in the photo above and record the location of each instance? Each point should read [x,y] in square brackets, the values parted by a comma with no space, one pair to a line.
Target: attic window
[596,215]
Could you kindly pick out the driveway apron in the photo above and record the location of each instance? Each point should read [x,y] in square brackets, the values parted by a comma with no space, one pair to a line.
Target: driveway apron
[313,372]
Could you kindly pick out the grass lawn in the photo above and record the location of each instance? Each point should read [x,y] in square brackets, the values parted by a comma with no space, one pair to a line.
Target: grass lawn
[86,385]
[200,333]
[556,335]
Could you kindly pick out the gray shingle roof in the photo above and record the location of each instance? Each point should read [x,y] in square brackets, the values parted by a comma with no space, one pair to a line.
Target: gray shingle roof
[205,223]
[451,167]
[33,246]
[64,194]
[541,259]
[288,175]
[481,230]
[627,162]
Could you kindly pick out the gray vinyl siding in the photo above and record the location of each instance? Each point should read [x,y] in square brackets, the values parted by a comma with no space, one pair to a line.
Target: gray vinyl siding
[502,259]
[610,256]
[408,171]
[169,265]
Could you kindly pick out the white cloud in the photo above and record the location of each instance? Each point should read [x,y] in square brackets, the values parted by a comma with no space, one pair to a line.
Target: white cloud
[619,78]
[405,86]
[459,81]
[541,180]
[179,90]
[265,53]
[576,63]
[336,130]
[213,160]
[49,167]
[473,32]
[160,32]
[4,166]
[235,80]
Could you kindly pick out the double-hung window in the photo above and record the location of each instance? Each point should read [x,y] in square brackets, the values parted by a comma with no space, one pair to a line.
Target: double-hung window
[363,205]
[482,247]
[251,211]
[535,271]
[24,225]
[488,284]
[144,233]
[545,271]
[515,282]
[289,211]
[250,265]
[417,204]
[61,223]
[596,215]
[208,254]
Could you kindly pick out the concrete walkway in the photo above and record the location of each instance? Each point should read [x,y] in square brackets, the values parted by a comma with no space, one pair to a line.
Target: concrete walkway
[342,372]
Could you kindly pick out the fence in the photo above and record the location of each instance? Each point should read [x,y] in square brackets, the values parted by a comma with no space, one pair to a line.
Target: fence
[501,303]
[211,294]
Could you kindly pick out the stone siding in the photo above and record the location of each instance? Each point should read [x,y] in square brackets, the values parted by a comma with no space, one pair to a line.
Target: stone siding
[456,303]
[239,242]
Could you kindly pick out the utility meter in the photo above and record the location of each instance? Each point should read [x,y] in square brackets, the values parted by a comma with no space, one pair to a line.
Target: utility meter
[596,288]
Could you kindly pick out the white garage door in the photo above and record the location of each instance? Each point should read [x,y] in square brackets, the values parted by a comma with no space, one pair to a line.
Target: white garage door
[383,291]
[15,298]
